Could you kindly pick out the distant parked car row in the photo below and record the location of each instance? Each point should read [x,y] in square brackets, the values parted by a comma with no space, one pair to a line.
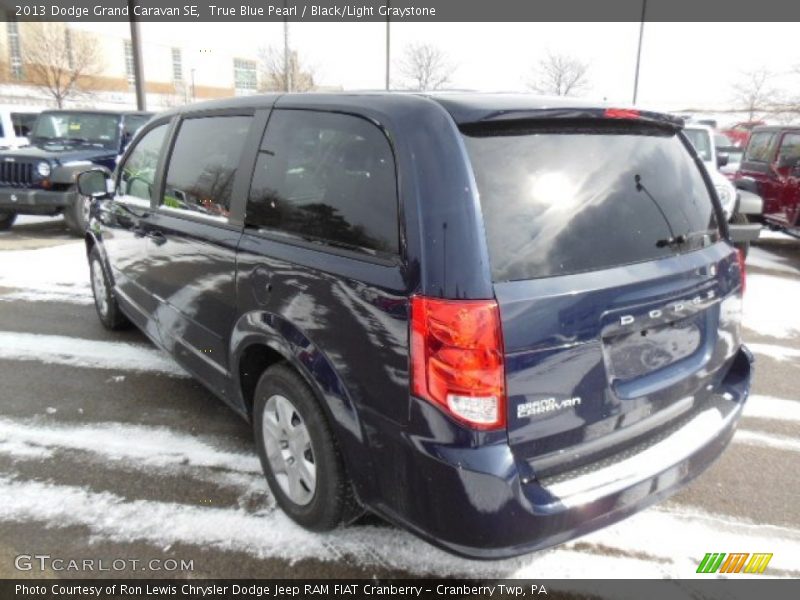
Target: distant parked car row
[37,175]
[738,205]
[15,125]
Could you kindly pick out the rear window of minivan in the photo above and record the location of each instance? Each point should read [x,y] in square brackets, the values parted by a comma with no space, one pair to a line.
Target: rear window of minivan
[567,198]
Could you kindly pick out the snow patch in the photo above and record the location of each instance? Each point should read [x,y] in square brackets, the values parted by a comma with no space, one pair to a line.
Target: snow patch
[78,352]
[767,407]
[148,446]
[770,306]
[55,273]
[780,353]
[757,438]
[270,534]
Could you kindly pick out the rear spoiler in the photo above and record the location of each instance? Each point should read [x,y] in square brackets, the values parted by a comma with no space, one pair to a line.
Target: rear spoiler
[627,114]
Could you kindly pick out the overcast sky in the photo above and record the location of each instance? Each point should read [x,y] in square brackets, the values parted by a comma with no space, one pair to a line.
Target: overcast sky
[683,64]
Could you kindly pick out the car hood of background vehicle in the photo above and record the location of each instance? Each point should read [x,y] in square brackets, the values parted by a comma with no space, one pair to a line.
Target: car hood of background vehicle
[58,152]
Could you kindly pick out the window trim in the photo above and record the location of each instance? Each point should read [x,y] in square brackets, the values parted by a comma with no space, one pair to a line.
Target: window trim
[143,131]
[321,244]
[235,215]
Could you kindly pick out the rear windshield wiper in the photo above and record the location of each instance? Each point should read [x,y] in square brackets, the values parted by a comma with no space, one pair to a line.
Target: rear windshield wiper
[672,240]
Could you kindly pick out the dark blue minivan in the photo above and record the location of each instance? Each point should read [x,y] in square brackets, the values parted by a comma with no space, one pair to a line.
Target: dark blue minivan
[499,321]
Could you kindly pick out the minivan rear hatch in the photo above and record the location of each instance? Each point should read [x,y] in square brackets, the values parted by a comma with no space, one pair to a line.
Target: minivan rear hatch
[618,297]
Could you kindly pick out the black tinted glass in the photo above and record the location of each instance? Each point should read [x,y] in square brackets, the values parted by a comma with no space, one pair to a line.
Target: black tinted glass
[577,198]
[203,164]
[328,177]
[23,123]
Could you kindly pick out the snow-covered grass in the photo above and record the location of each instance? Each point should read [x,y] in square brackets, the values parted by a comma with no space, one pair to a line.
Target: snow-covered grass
[77,352]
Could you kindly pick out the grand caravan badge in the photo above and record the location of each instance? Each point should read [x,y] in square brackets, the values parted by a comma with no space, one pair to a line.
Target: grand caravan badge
[546,405]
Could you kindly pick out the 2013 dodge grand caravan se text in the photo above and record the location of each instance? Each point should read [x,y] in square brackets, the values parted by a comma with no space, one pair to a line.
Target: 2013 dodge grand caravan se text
[497,321]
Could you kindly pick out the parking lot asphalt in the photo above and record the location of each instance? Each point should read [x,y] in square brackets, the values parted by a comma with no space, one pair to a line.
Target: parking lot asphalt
[109,451]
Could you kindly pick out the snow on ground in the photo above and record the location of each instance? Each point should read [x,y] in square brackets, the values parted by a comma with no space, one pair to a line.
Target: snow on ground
[767,407]
[159,450]
[75,352]
[236,529]
[58,273]
[763,259]
[771,305]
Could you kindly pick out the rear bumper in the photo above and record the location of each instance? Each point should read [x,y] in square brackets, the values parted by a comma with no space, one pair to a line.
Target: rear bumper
[34,201]
[481,502]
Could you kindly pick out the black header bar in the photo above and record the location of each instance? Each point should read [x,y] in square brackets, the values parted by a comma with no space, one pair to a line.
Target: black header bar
[403,10]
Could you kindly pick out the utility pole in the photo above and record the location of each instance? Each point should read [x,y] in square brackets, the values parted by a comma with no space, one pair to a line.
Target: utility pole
[639,52]
[286,58]
[388,50]
[136,47]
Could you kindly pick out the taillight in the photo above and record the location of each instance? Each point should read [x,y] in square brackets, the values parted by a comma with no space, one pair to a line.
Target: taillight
[457,359]
[621,113]
[742,269]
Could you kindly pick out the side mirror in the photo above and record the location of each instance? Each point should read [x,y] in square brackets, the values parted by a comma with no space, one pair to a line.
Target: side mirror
[788,162]
[93,183]
[722,160]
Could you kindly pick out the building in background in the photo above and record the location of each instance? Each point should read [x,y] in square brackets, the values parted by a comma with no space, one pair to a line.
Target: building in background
[175,71]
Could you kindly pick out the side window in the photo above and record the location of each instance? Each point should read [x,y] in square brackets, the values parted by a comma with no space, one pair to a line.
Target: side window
[328,177]
[758,150]
[133,123]
[23,123]
[138,173]
[203,164]
[790,146]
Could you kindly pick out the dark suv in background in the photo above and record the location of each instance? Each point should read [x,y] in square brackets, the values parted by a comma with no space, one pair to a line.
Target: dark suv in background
[494,320]
[39,179]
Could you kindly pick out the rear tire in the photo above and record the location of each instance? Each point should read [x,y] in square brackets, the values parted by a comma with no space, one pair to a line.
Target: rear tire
[298,452]
[7,220]
[105,302]
[740,219]
[76,215]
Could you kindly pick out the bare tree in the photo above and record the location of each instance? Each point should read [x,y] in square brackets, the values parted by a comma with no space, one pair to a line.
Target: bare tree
[278,74]
[560,75]
[59,59]
[753,92]
[425,67]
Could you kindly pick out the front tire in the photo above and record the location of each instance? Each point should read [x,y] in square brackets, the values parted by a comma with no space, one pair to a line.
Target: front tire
[7,220]
[105,302]
[77,214]
[298,451]
[740,219]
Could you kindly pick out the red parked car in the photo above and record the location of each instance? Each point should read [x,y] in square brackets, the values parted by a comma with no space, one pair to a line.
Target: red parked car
[771,163]
[739,134]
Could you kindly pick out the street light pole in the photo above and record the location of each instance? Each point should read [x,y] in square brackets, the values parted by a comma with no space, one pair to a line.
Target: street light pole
[136,48]
[639,52]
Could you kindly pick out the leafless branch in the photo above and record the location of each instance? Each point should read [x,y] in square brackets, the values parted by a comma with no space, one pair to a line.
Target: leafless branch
[61,60]
[753,92]
[560,75]
[275,77]
[425,67]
